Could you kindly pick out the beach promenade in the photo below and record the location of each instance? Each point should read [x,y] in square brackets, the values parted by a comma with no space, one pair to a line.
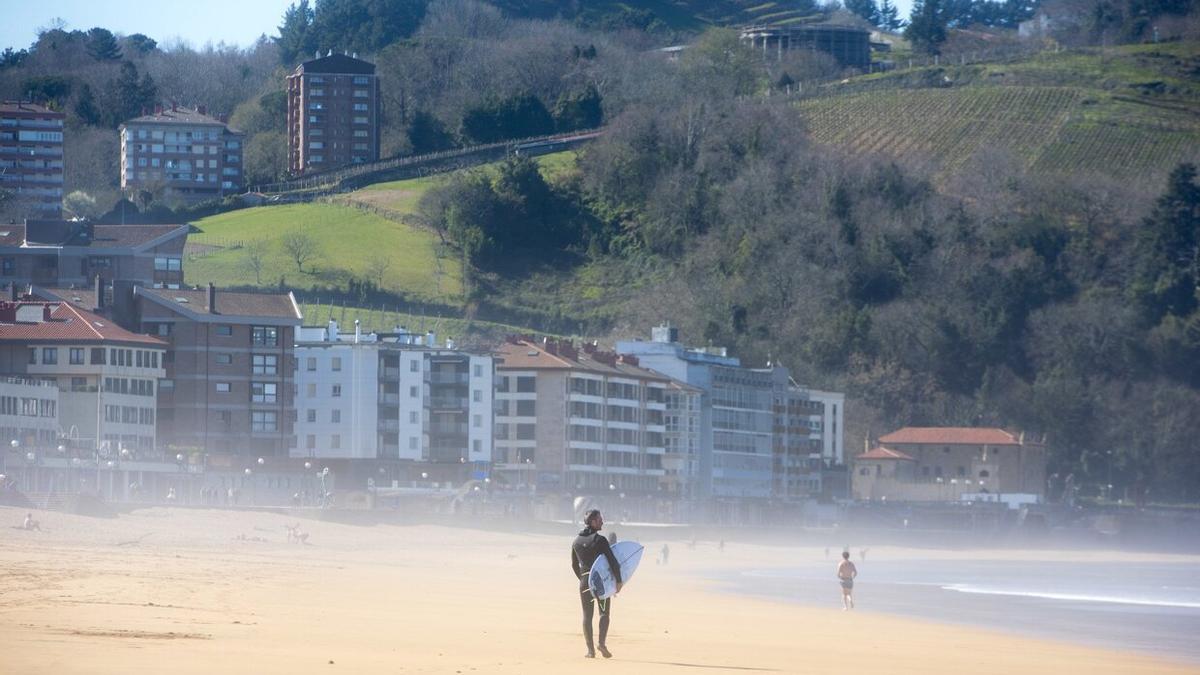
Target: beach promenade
[212,591]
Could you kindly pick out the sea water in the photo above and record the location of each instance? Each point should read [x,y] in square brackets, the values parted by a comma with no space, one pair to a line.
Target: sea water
[1151,607]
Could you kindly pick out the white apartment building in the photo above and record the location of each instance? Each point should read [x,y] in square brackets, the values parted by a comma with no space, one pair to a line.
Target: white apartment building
[392,396]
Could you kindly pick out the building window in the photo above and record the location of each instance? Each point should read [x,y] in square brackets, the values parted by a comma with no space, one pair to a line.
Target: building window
[77,356]
[335,416]
[310,442]
[477,396]
[311,416]
[527,408]
[168,264]
[264,336]
[412,391]
[224,330]
[525,432]
[263,392]
[414,366]
[335,441]
[360,107]
[264,420]
[224,359]
[337,391]
[166,385]
[310,390]
[414,417]
[337,363]
[478,370]
[412,442]
[33,356]
[361,79]
[310,364]
[476,446]
[265,364]
[8,266]
[526,385]
[222,387]
[50,355]
[477,421]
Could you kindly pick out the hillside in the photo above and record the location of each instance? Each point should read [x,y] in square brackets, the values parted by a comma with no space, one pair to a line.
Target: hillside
[679,15]
[1127,112]
[353,234]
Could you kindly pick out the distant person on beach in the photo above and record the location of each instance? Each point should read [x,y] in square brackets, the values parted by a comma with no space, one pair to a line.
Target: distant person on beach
[827,553]
[31,524]
[862,555]
[666,554]
[588,546]
[846,572]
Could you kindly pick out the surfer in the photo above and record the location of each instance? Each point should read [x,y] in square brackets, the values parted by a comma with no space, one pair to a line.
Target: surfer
[846,572]
[588,546]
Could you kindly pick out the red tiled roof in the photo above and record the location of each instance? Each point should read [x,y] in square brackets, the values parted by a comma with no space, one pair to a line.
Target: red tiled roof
[103,236]
[884,453]
[69,323]
[23,108]
[950,436]
[529,355]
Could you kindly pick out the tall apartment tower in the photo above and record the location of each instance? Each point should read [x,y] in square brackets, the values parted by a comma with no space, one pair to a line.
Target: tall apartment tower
[333,114]
[31,156]
[182,151]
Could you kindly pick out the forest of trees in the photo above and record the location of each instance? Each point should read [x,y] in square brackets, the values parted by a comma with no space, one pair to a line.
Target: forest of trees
[1059,305]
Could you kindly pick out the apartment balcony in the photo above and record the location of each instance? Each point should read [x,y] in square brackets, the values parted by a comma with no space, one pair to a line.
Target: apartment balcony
[450,378]
[389,425]
[389,399]
[391,374]
[452,403]
[449,429]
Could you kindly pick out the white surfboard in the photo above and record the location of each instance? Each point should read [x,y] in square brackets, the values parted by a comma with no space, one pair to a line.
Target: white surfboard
[601,581]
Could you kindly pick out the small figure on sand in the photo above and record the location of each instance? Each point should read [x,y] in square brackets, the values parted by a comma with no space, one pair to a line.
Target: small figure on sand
[827,553]
[862,555]
[846,571]
[666,554]
[171,495]
[295,535]
[31,524]
[588,546]
[721,546]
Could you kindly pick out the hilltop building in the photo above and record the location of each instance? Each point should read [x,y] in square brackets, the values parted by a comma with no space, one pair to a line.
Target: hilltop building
[396,398]
[948,463]
[333,114]
[578,420]
[183,153]
[31,155]
[74,253]
[849,45]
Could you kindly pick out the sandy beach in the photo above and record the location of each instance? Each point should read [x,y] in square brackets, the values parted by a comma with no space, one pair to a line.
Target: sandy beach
[208,591]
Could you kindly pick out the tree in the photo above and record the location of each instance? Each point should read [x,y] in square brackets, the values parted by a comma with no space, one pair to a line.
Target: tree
[81,204]
[102,45]
[141,44]
[518,116]
[377,268]
[867,9]
[300,247]
[85,106]
[265,158]
[719,65]
[927,26]
[889,16]
[1168,248]
[578,110]
[426,134]
[256,253]
[296,38]
[365,25]
[129,95]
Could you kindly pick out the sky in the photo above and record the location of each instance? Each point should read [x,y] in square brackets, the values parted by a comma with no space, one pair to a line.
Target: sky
[237,22]
[198,22]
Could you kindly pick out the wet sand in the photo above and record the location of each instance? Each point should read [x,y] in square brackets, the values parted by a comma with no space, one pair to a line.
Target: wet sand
[207,591]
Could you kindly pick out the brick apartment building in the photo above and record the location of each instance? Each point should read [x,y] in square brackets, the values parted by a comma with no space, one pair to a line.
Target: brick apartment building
[66,253]
[333,114]
[228,386]
[182,152]
[31,155]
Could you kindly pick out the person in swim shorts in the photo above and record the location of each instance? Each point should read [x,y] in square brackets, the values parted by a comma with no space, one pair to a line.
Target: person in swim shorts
[846,571]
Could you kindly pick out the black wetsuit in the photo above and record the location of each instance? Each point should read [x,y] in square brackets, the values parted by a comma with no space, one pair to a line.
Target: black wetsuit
[588,546]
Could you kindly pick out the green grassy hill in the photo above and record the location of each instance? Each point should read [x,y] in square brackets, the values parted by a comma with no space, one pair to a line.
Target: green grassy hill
[1133,111]
[353,232]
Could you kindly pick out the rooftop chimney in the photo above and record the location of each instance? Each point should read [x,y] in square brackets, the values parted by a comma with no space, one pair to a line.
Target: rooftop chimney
[331,333]
[211,300]
[357,331]
[98,287]
[202,109]
[13,292]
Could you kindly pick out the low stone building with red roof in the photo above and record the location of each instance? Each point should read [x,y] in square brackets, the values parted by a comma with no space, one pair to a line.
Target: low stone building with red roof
[945,463]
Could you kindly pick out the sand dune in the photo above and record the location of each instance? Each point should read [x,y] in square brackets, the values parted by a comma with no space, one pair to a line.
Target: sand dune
[208,591]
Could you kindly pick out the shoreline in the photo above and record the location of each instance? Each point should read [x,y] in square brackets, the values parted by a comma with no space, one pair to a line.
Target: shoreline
[211,591]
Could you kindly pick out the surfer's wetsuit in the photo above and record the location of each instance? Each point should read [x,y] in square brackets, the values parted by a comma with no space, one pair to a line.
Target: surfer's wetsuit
[588,546]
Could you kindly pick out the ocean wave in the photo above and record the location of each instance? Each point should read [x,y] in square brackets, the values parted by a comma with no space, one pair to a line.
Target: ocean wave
[1076,597]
